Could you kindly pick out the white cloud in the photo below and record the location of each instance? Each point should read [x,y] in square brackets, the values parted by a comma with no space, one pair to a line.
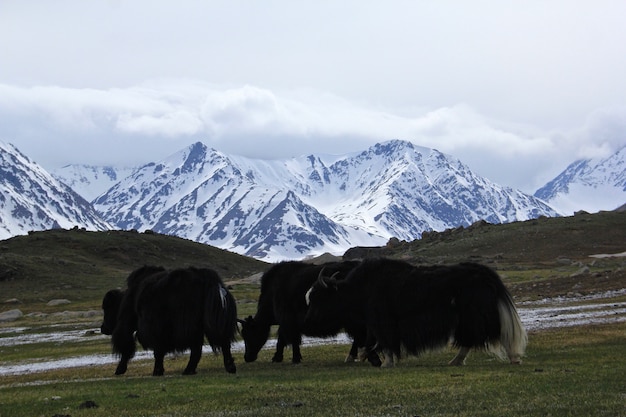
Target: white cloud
[152,120]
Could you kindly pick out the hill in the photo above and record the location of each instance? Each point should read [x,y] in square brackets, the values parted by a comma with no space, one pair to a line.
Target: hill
[537,258]
[81,265]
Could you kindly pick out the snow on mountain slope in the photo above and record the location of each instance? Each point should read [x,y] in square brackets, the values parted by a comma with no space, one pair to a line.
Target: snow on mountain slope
[90,181]
[588,184]
[287,209]
[31,199]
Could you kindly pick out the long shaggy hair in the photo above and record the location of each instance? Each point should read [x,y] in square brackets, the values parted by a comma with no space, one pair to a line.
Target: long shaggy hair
[414,309]
[172,312]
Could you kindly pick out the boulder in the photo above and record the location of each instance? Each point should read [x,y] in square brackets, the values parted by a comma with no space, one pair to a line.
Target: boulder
[58,302]
[10,315]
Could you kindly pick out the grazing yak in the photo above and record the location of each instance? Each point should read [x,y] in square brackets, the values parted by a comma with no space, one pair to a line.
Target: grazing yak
[171,311]
[282,302]
[413,309]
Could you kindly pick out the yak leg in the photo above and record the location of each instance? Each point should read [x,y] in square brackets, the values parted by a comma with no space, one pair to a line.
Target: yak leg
[280,348]
[194,359]
[459,359]
[353,355]
[388,363]
[373,358]
[369,350]
[158,363]
[295,346]
[229,362]
[122,365]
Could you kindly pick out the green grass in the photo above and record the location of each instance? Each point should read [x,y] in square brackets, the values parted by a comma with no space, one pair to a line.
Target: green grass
[567,372]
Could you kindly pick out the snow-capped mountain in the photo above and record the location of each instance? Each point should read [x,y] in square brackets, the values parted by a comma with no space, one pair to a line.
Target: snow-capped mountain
[588,184]
[31,199]
[309,205]
[90,181]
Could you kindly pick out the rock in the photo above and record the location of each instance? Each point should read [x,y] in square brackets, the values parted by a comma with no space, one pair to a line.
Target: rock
[10,315]
[12,301]
[58,302]
[582,271]
[88,404]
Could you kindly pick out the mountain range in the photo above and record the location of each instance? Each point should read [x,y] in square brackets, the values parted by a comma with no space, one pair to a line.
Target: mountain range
[278,209]
[588,184]
[312,204]
[32,199]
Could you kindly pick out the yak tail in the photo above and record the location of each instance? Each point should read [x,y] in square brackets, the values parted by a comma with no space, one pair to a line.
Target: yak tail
[513,337]
[220,317]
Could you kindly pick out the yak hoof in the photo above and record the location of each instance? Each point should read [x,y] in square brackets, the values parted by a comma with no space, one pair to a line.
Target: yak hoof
[189,372]
[277,359]
[374,359]
[231,368]
[121,370]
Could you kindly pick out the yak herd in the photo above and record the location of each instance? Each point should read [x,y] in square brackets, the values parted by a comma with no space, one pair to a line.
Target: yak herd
[388,307]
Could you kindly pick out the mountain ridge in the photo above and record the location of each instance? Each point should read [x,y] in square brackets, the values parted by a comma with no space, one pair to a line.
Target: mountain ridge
[591,184]
[32,199]
[298,207]
[311,204]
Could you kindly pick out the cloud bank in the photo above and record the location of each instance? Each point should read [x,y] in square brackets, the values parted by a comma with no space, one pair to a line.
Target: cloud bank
[152,120]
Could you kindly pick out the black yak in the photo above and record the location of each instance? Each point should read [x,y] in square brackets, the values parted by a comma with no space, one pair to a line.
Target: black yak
[282,302]
[171,311]
[414,309]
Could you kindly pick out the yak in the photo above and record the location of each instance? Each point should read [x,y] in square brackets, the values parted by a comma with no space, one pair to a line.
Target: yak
[413,309]
[282,302]
[169,312]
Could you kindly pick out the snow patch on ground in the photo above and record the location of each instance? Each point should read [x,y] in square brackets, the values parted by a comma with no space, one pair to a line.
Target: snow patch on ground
[536,315]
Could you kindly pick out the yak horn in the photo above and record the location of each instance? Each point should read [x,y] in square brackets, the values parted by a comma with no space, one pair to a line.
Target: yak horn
[324,281]
[321,280]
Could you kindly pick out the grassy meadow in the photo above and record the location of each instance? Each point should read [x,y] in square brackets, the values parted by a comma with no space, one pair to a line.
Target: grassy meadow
[568,371]
[576,371]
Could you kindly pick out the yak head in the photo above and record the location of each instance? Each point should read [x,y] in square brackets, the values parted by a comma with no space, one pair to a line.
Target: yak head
[254,336]
[111,306]
[323,300]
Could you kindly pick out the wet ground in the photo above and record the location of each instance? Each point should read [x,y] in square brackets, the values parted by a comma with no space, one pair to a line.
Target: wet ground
[546,313]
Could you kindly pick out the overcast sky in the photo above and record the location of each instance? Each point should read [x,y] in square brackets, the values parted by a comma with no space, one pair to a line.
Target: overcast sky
[516,90]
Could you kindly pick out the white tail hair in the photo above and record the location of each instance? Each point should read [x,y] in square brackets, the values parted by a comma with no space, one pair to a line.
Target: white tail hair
[513,337]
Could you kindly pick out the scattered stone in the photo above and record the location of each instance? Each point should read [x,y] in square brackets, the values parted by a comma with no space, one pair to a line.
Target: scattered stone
[88,404]
[581,271]
[10,315]
[12,301]
[58,302]
[37,315]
